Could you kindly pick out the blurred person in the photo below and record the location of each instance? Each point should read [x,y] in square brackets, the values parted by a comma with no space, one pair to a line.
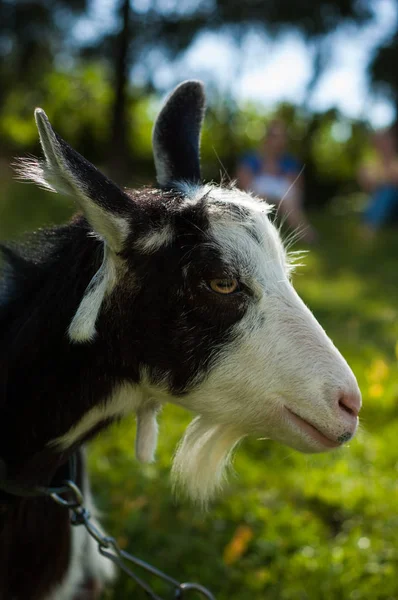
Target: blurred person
[380,179]
[274,174]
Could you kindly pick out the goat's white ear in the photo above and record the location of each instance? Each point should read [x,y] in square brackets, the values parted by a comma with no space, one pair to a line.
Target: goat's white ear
[176,135]
[104,204]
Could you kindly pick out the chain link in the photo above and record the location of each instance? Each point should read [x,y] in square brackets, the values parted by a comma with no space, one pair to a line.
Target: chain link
[71,497]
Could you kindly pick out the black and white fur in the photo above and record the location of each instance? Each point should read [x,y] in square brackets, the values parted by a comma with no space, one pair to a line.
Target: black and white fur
[115,313]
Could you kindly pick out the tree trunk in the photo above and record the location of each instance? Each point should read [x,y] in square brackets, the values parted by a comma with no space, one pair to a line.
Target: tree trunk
[118,149]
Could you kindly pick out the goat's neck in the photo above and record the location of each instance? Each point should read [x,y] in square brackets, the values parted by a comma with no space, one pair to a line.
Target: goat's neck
[53,389]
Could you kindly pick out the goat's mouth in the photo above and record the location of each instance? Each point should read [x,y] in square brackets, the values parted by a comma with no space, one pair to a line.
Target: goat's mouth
[311,431]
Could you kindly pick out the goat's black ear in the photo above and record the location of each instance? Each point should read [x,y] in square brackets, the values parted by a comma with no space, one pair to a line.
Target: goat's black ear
[176,135]
[104,204]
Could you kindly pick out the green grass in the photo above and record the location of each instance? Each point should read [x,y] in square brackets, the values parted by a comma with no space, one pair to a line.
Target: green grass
[288,526]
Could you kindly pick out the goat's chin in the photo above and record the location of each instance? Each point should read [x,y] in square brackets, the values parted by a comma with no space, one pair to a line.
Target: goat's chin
[202,458]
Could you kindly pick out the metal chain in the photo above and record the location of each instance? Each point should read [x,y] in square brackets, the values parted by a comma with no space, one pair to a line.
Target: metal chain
[71,497]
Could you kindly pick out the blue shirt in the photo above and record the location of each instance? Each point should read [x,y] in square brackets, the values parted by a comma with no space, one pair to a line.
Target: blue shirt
[288,165]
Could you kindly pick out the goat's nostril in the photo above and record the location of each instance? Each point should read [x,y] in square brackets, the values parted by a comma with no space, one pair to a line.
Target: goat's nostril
[344,407]
[350,403]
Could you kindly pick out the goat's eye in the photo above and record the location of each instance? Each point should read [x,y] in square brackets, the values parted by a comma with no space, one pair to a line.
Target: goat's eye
[224,286]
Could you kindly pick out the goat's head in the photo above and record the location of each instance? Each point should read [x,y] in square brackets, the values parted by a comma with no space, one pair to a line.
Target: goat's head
[197,279]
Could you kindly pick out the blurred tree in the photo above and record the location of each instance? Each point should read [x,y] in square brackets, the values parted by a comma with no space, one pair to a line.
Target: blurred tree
[32,34]
[383,70]
[155,31]
[41,63]
[119,143]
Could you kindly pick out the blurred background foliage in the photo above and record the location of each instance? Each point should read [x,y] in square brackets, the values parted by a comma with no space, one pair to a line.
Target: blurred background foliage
[288,526]
[86,90]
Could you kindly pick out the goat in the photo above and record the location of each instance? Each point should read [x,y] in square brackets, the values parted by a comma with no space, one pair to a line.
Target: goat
[179,293]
